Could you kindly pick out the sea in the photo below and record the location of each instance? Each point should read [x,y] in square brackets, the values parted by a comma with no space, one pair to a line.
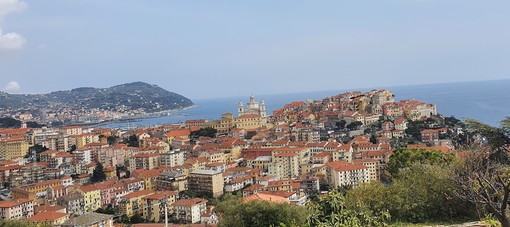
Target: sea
[486,101]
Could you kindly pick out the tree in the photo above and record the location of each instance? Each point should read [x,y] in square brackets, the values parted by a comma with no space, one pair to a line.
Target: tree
[98,175]
[8,122]
[331,211]
[208,132]
[20,223]
[354,125]
[483,177]
[405,157]
[136,218]
[341,124]
[234,212]
[420,192]
[111,140]
[132,141]
[33,124]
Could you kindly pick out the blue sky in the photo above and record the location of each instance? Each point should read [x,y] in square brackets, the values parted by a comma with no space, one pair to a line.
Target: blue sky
[204,49]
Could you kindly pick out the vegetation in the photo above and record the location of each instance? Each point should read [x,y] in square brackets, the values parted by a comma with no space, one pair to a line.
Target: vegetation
[132,141]
[20,223]
[405,157]
[137,95]
[7,122]
[208,132]
[420,192]
[483,178]
[111,140]
[354,125]
[98,175]
[259,213]
[332,211]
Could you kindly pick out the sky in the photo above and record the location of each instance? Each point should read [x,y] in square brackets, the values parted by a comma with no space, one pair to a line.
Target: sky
[207,49]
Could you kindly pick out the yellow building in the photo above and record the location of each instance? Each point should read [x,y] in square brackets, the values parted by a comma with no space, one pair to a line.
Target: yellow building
[172,181]
[72,130]
[13,147]
[289,163]
[30,191]
[91,197]
[214,156]
[110,171]
[50,218]
[154,205]
[133,202]
[206,181]
[149,177]
[224,125]
[249,121]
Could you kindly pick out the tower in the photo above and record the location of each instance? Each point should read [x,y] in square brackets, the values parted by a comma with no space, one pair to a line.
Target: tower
[240,108]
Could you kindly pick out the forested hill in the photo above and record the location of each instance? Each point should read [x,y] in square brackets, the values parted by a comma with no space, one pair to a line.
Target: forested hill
[130,96]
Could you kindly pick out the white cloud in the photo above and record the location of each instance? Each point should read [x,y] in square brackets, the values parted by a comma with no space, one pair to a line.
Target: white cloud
[11,40]
[10,6]
[12,87]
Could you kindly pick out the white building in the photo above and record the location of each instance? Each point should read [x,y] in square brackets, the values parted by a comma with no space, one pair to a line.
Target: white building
[189,210]
[253,107]
[172,158]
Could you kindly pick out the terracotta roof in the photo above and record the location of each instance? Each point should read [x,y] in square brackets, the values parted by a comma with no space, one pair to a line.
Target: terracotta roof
[89,188]
[254,187]
[47,207]
[138,194]
[350,168]
[161,195]
[47,216]
[249,116]
[189,202]
[279,193]
[265,197]
[181,132]
[6,204]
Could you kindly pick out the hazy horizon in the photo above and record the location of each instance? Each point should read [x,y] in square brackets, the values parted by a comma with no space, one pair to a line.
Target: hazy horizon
[205,49]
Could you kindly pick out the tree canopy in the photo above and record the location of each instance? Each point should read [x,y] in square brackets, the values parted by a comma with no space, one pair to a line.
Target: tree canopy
[208,132]
[98,175]
[259,213]
[405,157]
[483,177]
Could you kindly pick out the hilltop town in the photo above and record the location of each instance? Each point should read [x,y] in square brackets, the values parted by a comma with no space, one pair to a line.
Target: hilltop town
[83,176]
[88,105]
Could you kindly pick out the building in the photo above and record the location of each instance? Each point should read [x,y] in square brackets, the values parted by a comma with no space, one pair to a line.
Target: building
[348,174]
[206,181]
[249,121]
[429,135]
[16,209]
[172,158]
[91,197]
[90,220]
[13,147]
[154,205]
[172,181]
[289,163]
[49,218]
[133,202]
[144,161]
[74,203]
[252,107]
[189,210]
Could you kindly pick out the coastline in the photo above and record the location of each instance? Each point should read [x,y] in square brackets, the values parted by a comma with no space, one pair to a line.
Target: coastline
[138,118]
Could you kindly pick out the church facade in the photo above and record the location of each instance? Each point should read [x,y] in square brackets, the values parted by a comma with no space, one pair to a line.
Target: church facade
[252,107]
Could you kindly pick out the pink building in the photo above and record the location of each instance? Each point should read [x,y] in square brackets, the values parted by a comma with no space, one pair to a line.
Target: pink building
[16,209]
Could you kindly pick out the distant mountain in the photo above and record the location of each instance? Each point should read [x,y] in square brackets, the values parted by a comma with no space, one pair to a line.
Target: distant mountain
[125,97]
